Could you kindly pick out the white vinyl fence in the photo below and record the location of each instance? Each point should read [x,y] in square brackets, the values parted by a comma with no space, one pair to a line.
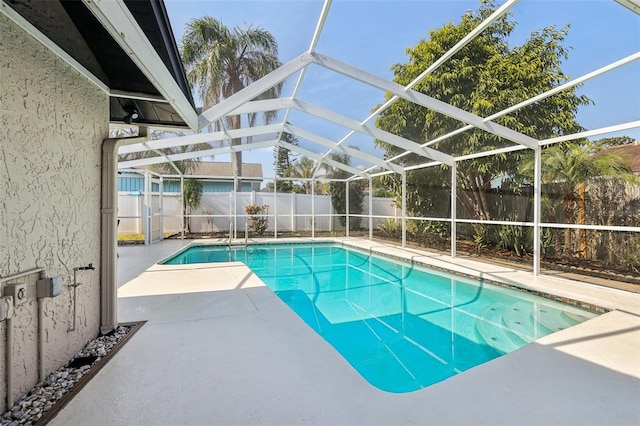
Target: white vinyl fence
[287,212]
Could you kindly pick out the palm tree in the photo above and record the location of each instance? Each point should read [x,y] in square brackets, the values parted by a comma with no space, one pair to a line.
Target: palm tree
[303,168]
[574,166]
[192,198]
[221,61]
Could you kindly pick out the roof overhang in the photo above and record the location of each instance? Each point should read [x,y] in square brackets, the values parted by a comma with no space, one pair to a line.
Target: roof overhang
[124,47]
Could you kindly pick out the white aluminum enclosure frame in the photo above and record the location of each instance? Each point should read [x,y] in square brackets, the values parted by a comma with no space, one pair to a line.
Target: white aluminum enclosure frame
[242,103]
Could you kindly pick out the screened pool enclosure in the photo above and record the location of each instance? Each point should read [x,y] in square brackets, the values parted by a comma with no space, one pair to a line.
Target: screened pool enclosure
[383,191]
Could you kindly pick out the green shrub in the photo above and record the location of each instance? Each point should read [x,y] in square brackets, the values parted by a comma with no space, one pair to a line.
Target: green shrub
[258,218]
[391,228]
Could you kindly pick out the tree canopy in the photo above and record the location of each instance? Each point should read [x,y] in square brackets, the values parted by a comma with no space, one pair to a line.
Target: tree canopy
[284,159]
[221,61]
[485,77]
[338,190]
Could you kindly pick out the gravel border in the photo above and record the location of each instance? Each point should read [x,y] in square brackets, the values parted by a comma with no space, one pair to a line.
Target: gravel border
[47,398]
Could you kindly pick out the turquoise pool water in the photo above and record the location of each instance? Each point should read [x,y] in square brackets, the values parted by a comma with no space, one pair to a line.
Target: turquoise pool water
[401,327]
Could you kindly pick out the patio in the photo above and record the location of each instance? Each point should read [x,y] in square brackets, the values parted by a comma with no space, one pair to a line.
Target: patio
[88,81]
[220,348]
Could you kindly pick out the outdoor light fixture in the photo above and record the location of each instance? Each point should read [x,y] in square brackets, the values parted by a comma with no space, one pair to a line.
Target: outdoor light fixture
[132,114]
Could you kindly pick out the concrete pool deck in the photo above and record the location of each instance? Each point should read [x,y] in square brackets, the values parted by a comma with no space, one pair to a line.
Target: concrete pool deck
[220,348]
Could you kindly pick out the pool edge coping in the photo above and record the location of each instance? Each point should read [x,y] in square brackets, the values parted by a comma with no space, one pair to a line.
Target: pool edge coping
[427,259]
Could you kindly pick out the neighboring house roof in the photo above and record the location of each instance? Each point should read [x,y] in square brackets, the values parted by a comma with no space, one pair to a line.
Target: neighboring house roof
[73,27]
[631,152]
[221,169]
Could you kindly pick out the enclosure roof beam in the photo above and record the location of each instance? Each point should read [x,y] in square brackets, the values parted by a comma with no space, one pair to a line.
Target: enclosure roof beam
[201,138]
[310,136]
[255,89]
[423,100]
[323,17]
[253,107]
[550,141]
[594,132]
[173,165]
[350,123]
[312,47]
[318,158]
[372,131]
[195,154]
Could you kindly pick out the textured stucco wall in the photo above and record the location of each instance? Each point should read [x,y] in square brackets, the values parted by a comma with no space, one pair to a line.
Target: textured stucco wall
[52,123]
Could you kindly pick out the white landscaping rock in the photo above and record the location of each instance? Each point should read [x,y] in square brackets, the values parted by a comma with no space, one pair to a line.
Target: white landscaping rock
[43,397]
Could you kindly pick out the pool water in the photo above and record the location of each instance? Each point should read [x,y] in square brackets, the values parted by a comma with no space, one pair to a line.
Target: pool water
[402,327]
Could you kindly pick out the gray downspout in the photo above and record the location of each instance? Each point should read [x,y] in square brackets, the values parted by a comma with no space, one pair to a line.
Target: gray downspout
[109,231]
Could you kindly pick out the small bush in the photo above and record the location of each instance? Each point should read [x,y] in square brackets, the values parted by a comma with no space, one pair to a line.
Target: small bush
[515,238]
[258,220]
[390,228]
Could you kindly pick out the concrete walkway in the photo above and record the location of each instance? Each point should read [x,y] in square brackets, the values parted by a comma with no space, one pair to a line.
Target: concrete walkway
[220,348]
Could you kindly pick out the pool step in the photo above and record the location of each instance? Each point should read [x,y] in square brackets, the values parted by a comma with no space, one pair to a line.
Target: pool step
[496,333]
[519,320]
[508,328]
[553,319]
[579,316]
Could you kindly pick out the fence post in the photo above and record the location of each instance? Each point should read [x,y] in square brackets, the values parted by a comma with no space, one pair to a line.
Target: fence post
[294,227]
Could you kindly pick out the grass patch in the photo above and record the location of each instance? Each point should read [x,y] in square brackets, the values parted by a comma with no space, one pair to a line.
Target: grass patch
[138,237]
[130,237]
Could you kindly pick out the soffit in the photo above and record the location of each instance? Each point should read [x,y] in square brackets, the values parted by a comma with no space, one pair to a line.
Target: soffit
[72,27]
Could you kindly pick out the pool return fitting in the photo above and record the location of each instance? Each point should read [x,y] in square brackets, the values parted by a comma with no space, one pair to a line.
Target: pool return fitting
[75,287]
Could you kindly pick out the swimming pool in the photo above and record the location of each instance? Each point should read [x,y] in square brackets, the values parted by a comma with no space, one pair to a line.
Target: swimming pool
[401,326]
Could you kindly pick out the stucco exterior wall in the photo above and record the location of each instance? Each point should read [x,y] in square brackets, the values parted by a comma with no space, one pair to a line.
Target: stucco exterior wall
[52,124]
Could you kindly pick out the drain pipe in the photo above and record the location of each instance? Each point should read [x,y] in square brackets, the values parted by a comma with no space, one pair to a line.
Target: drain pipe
[109,222]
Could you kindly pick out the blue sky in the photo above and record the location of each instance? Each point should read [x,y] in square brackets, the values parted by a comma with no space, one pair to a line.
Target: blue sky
[373,35]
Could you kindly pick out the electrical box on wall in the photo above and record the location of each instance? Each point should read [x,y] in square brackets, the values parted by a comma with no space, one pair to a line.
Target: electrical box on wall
[18,292]
[6,308]
[49,287]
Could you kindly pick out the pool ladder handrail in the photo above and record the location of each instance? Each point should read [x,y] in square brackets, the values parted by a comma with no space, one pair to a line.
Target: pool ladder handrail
[230,234]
